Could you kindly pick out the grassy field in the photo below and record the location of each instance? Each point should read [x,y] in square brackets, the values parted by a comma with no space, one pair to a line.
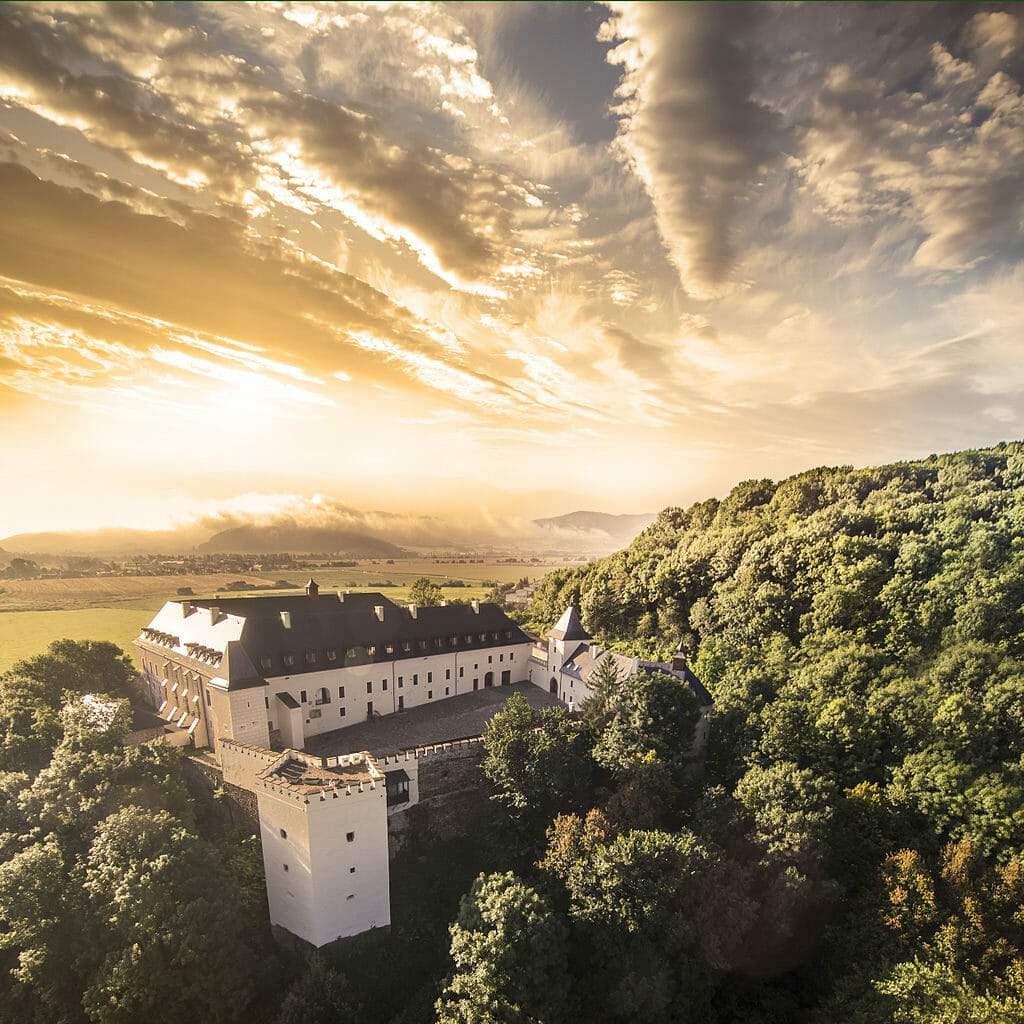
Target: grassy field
[34,612]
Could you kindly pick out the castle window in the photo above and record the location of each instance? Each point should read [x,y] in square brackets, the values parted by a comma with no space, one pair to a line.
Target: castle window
[390,649]
[401,682]
[438,642]
[501,657]
[469,638]
[490,658]
[415,679]
[446,691]
[310,657]
[423,645]
[302,696]
[383,684]
[341,692]
[265,662]
[284,834]
[406,646]
[430,694]
[288,659]
[508,634]
[342,712]
[430,677]
[209,700]
[332,654]
[447,673]
[369,687]
[286,867]
[350,837]
[371,650]
[462,672]
[351,871]
[454,641]
[266,703]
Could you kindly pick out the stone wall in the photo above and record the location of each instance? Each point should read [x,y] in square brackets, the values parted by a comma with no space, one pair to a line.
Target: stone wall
[226,804]
[452,795]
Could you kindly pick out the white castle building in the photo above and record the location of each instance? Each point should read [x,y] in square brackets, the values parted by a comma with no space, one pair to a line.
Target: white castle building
[261,679]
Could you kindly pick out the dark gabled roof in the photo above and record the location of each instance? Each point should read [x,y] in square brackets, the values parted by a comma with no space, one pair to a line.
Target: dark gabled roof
[288,700]
[347,626]
[697,688]
[582,664]
[569,627]
[236,668]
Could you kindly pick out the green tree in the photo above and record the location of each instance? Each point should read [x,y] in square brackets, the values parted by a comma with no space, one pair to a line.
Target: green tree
[537,762]
[321,996]
[168,925]
[510,954]
[424,592]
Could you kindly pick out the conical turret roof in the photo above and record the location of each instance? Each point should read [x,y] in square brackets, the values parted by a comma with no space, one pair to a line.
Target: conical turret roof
[569,627]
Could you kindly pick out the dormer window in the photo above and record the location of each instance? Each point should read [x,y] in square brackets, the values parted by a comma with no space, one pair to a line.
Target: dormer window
[423,645]
[454,641]
[265,662]
[390,649]
[310,657]
[468,638]
[406,646]
[371,650]
[332,654]
[288,659]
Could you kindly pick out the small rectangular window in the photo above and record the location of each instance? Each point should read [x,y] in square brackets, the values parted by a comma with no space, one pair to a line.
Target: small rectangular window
[489,659]
[266,702]
[284,835]
[501,657]
[446,689]
[265,662]
[302,697]
[462,672]
[415,679]
[350,837]
[401,682]
[332,654]
[341,692]
[369,687]
[209,701]
[288,659]
[430,694]
[383,684]
[430,677]
[371,650]
[310,657]
[341,711]
[351,871]
[286,867]
[447,673]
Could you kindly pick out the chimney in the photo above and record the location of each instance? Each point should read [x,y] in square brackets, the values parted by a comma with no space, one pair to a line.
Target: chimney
[214,615]
[413,610]
[476,606]
[595,650]
[187,608]
[286,620]
[378,610]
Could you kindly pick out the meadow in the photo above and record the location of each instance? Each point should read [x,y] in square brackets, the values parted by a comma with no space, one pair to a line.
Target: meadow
[34,612]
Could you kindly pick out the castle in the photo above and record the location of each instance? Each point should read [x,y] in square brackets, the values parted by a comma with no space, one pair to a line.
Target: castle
[324,707]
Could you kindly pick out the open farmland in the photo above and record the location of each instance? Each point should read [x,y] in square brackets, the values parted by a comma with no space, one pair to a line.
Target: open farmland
[35,612]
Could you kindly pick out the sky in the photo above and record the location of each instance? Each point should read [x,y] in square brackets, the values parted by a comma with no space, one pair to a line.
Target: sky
[497,260]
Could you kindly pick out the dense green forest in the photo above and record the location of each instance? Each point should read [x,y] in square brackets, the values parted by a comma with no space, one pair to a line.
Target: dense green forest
[850,852]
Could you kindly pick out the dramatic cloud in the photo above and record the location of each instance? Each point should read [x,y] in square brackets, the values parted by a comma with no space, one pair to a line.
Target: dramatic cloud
[691,127]
[497,262]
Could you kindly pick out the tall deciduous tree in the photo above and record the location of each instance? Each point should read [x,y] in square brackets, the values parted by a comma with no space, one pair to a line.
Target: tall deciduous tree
[510,954]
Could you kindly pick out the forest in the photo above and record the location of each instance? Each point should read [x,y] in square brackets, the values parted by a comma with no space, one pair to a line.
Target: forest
[849,851]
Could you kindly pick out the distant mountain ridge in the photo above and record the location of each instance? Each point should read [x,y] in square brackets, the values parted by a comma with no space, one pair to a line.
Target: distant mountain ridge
[320,540]
[625,526]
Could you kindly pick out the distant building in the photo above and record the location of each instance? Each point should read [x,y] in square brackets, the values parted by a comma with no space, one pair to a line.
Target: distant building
[260,678]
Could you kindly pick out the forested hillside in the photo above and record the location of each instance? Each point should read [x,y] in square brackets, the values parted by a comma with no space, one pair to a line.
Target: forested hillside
[862,633]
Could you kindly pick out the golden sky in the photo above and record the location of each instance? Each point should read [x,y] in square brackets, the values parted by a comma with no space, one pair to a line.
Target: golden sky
[501,260]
